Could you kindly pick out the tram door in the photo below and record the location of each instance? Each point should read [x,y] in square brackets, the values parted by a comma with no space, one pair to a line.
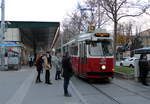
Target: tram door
[82,58]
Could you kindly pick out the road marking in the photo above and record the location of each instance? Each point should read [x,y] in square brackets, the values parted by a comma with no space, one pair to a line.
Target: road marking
[78,93]
[20,94]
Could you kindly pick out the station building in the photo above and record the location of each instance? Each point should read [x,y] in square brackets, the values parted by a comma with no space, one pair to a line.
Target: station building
[27,38]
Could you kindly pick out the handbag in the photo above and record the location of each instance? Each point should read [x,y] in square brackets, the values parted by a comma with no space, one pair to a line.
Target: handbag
[47,67]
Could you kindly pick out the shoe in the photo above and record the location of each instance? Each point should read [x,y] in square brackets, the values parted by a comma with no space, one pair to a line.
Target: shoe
[40,81]
[48,83]
[59,78]
[67,95]
[145,84]
[37,81]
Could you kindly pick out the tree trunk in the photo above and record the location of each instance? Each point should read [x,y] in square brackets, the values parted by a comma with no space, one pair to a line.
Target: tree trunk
[115,38]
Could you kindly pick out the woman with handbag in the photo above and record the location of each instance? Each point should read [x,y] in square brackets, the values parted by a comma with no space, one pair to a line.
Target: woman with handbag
[47,70]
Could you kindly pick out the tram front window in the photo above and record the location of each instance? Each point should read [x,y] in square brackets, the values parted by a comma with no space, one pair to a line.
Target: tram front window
[101,48]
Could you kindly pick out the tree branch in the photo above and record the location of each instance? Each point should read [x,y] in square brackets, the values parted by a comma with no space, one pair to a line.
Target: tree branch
[143,11]
[121,5]
[110,17]
[130,16]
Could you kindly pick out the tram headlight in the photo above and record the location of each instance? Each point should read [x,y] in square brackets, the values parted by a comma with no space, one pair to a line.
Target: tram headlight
[103,67]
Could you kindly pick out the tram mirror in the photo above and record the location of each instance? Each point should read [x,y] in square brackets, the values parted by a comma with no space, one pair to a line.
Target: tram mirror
[94,44]
[87,42]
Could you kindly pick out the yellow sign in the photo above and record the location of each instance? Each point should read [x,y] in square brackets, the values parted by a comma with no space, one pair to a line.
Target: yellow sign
[91,28]
[102,35]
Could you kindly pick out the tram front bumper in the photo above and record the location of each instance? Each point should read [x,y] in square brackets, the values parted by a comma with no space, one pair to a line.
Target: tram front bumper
[103,74]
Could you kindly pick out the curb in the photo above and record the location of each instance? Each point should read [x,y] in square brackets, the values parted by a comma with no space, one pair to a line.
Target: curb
[124,76]
[84,101]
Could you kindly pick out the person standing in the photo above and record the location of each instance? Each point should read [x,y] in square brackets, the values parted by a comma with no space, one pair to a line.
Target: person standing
[31,61]
[57,63]
[39,67]
[47,70]
[49,58]
[67,73]
[143,69]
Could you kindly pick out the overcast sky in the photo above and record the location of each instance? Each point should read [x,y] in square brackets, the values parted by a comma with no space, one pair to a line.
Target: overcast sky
[38,10]
[48,10]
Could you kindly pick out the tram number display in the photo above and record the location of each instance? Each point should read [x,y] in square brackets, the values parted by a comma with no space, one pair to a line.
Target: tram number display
[102,35]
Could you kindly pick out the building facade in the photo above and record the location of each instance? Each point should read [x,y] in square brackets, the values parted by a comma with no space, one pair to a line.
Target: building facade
[145,35]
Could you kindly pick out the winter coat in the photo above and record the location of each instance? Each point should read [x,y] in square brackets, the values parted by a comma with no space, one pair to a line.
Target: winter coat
[57,63]
[39,63]
[67,67]
[46,64]
[143,65]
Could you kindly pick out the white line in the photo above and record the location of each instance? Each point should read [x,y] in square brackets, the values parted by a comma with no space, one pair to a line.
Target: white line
[18,97]
[78,93]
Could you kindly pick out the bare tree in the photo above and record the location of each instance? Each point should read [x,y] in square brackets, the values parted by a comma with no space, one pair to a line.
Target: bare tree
[124,33]
[117,9]
[98,13]
[137,40]
[83,16]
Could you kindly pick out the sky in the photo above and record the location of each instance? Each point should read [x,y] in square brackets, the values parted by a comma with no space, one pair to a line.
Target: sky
[38,10]
[49,10]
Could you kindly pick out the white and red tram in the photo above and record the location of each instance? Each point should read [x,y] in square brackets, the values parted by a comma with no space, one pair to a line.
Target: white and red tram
[92,55]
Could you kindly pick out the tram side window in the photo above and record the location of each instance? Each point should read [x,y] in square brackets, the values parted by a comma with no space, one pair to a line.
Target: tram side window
[65,49]
[74,50]
[85,50]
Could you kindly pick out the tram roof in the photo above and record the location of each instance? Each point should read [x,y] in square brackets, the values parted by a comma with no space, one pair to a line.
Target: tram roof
[88,36]
[33,33]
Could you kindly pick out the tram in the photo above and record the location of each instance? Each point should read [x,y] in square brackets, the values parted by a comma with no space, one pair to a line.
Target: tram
[92,54]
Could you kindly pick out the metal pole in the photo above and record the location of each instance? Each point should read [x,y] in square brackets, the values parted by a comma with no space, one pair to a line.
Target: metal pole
[2,50]
[61,36]
[99,18]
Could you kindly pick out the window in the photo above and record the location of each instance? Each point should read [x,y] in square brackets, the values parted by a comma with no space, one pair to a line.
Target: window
[101,48]
[74,50]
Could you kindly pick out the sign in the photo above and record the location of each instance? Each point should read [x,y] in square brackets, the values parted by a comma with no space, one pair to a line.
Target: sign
[91,28]
[11,44]
[102,35]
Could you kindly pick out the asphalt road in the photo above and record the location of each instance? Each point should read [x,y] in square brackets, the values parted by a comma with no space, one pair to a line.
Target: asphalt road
[19,87]
[118,91]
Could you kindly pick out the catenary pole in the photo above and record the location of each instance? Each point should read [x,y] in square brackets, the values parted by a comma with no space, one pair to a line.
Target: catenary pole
[2,31]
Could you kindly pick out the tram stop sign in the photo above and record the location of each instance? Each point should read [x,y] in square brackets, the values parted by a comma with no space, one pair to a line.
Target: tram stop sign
[91,28]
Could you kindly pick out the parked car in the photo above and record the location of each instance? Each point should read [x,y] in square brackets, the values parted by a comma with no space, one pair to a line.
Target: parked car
[129,62]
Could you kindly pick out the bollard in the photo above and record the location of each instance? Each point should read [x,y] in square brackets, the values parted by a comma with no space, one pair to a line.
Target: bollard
[136,69]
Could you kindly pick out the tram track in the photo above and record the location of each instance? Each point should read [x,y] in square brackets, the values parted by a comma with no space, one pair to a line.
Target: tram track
[116,91]
[95,86]
[136,93]
[104,93]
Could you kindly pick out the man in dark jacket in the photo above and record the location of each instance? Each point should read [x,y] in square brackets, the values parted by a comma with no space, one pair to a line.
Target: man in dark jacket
[143,68]
[67,73]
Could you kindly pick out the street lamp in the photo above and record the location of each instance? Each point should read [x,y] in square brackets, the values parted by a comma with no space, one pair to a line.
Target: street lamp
[2,31]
